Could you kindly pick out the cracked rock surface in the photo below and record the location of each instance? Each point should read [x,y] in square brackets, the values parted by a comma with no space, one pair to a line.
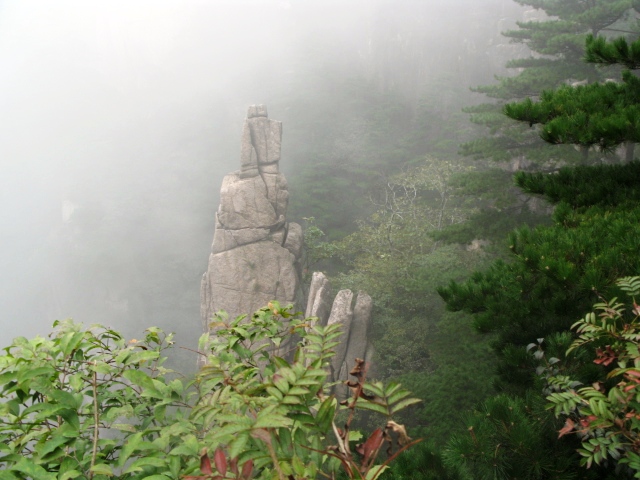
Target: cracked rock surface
[255,255]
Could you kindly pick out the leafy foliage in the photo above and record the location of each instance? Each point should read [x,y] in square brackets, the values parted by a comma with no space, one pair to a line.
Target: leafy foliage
[604,415]
[600,114]
[585,186]
[60,397]
[87,404]
[396,259]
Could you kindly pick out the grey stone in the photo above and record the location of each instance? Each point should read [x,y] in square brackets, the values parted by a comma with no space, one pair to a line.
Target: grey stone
[260,143]
[256,255]
[274,142]
[277,191]
[295,240]
[341,313]
[260,127]
[244,204]
[253,261]
[257,111]
[359,331]
[319,302]
[278,236]
[249,276]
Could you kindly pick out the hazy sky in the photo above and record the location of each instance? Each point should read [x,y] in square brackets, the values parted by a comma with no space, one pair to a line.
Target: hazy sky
[131,110]
[108,102]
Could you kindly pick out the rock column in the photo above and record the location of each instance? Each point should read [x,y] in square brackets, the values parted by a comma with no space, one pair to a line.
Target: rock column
[255,256]
[355,321]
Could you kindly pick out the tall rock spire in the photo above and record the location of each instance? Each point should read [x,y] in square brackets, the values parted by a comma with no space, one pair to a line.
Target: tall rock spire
[255,256]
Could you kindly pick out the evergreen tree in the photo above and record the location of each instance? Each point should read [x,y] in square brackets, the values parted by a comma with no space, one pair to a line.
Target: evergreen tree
[558,270]
[556,49]
[604,115]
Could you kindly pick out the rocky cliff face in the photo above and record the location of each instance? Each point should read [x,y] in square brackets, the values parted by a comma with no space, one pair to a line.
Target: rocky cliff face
[256,253]
[255,256]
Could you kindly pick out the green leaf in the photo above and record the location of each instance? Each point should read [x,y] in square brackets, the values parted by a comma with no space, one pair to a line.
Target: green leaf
[70,474]
[326,413]
[77,382]
[70,342]
[291,400]
[298,391]
[102,368]
[238,444]
[298,466]
[138,377]
[272,421]
[145,356]
[303,418]
[404,404]
[65,398]
[375,388]
[124,427]
[34,471]
[397,395]
[132,444]
[51,444]
[138,464]
[376,471]
[7,475]
[102,469]
[280,383]
[274,392]
[374,407]
[38,372]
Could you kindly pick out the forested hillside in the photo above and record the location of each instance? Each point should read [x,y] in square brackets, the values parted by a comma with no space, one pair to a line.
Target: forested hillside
[443,216]
[486,222]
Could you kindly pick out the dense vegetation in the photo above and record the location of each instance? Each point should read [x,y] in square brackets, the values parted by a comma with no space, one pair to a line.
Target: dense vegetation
[84,403]
[427,230]
[555,275]
[482,298]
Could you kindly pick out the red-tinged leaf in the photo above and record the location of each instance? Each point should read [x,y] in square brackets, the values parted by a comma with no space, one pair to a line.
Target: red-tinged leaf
[569,425]
[205,464]
[262,434]
[220,460]
[371,446]
[605,357]
[247,470]
[234,466]
[633,373]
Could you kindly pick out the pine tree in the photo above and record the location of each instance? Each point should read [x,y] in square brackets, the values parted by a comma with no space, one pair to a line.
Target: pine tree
[556,46]
[557,272]
[604,115]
